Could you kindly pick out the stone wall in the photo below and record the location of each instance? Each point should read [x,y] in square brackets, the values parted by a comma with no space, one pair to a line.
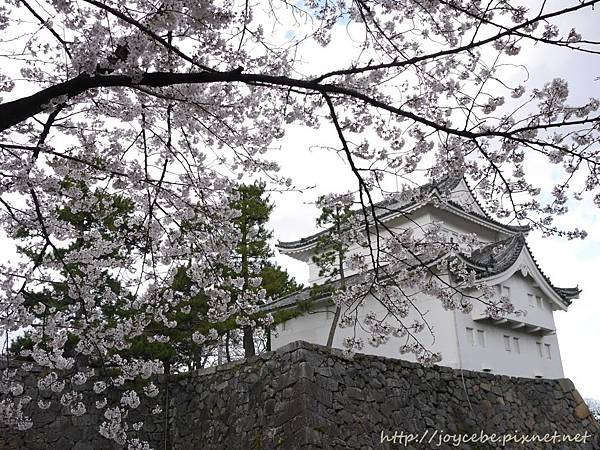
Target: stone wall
[304,396]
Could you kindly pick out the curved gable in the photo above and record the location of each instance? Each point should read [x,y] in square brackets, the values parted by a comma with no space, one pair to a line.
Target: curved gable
[524,262]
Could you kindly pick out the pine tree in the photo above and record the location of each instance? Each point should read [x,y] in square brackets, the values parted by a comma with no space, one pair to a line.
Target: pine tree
[331,251]
[251,262]
[254,253]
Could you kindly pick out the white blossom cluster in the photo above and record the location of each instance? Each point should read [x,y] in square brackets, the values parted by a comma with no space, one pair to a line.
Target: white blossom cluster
[118,175]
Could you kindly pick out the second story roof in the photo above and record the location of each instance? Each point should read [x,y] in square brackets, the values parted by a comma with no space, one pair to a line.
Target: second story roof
[424,195]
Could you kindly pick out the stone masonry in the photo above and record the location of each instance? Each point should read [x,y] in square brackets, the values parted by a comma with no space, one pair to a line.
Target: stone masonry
[305,396]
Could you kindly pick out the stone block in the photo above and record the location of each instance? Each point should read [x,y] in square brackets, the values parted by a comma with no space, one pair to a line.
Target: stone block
[581,411]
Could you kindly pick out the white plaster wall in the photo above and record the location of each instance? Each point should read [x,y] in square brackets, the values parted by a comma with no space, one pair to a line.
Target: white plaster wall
[522,291]
[450,336]
[493,356]
[463,197]
[460,225]
[524,363]
[420,218]
[315,328]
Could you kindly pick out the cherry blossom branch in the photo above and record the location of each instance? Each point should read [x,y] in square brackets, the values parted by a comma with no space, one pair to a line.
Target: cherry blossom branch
[148,32]
[46,24]
[12,113]
[362,185]
[558,43]
[456,50]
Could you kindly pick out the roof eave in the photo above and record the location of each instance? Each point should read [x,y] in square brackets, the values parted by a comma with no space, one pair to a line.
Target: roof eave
[308,243]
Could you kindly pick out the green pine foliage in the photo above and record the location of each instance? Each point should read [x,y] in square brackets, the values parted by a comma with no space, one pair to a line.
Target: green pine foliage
[252,259]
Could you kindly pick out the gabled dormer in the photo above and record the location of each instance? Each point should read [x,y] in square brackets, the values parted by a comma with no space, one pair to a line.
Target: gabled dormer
[510,266]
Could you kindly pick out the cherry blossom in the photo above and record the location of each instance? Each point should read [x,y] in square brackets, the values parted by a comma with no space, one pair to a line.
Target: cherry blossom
[125,128]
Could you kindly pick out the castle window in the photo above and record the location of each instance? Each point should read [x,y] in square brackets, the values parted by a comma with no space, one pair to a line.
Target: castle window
[481,338]
[548,352]
[531,300]
[507,343]
[540,302]
[540,349]
[506,291]
[516,345]
[470,336]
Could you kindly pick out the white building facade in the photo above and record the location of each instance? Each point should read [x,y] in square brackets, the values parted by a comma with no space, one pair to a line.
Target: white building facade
[523,345]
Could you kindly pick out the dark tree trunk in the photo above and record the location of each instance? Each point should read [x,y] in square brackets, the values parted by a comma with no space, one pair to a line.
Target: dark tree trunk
[336,318]
[227,354]
[249,349]
[338,309]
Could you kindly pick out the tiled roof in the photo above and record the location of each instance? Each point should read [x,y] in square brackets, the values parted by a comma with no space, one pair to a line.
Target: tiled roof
[497,257]
[489,260]
[391,205]
[568,293]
